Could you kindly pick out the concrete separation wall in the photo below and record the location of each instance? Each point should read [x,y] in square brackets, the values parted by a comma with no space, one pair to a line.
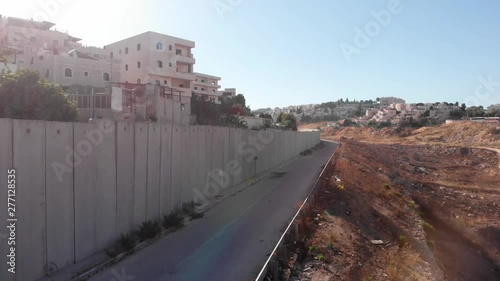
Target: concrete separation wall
[81,186]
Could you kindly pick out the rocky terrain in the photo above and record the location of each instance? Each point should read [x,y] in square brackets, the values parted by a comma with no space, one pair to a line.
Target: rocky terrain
[403,212]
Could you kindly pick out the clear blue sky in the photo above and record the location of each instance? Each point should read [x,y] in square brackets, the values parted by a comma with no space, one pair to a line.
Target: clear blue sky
[280,53]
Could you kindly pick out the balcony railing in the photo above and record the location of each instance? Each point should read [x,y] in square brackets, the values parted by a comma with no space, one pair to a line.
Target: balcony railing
[96,101]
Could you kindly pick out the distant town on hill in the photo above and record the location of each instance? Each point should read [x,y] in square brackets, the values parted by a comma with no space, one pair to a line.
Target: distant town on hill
[388,110]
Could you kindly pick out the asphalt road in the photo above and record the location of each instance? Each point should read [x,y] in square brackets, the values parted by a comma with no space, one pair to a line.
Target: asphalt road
[234,239]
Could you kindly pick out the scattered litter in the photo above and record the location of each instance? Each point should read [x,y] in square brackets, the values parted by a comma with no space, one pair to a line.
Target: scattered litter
[377,242]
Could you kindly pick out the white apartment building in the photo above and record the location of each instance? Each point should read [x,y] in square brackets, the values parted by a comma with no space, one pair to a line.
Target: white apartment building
[228,92]
[207,87]
[31,39]
[57,56]
[152,58]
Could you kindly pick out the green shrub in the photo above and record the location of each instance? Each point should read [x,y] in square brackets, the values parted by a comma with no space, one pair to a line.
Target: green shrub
[431,244]
[320,257]
[427,226]
[148,230]
[402,241]
[173,220]
[189,209]
[126,242]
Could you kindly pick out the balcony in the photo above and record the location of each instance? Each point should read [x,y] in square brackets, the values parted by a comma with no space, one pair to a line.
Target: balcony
[207,93]
[183,58]
[186,92]
[185,76]
[206,84]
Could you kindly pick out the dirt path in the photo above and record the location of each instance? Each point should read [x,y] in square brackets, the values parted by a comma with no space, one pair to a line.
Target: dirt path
[495,150]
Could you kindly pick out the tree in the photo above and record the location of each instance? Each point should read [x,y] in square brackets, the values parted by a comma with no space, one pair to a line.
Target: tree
[288,120]
[306,118]
[240,99]
[266,115]
[24,95]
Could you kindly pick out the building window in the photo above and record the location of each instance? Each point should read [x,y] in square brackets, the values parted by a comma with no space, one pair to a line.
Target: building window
[203,80]
[138,47]
[170,47]
[181,86]
[86,73]
[203,89]
[170,64]
[120,51]
[178,52]
[40,57]
[196,88]
[68,72]
[159,46]
[126,67]
[165,82]
[139,81]
[138,64]
[55,42]
[159,64]
[126,50]
[157,82]
[105,76]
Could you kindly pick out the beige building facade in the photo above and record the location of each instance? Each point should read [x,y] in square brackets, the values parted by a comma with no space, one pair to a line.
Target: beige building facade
[207,87]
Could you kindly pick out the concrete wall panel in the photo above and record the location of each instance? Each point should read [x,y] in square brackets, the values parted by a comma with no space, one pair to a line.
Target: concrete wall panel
[105,155]
[153,185]
[141,173]
[238,154]
[166,170]
[60,195]
[176,192]
[184,161]
[204,146]
[125,138]
[29,162]
[85,174]
[6,152]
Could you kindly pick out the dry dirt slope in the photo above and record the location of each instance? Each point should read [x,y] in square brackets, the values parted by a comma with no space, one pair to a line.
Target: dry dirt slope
[458,134]
[435,209]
